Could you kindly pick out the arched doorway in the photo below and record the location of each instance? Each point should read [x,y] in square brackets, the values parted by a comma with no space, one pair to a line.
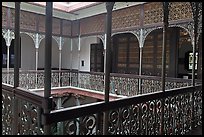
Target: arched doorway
[125,53]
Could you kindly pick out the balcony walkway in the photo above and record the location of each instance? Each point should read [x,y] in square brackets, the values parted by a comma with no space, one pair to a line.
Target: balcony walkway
[63,91]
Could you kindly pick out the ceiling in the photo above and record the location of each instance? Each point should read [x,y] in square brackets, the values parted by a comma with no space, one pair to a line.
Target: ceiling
[71,10]
[68,7]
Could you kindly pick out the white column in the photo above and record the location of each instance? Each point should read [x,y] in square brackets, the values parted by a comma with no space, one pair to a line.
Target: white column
[79,49]
[71,56]
[105,53]
[36,66]
[60,60]
[141,43]
[7,64]
[104,59]
[36,58]
[8,43]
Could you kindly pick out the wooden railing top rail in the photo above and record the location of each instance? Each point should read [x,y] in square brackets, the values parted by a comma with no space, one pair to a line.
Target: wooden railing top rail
[24,94]
[87,109]
[34,71]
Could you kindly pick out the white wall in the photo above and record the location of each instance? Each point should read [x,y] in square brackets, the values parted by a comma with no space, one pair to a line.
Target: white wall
[85,52]
[27,52]
[66,54]
[55,54]
[75,59]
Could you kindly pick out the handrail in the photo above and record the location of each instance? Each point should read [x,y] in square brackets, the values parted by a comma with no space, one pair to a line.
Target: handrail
[75,112]
[24,94]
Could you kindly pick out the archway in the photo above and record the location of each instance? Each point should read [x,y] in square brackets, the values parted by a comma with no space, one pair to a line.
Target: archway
[55,55]
[152,53]
[185,50]
[178,45]
[125,53]
[27,52]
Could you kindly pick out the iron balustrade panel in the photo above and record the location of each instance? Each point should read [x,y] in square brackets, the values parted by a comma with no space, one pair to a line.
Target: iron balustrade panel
[74,79]
[198,107]
[136,119]
[32,80]
[85,125]
[120,84]
[150,86]
[7,113]
[21,111]
[55,79]
[29,118]
[177,114]
[65,79]
[124,121]
[91,81]
[23,80]
[11,79]
[40,79]
[4,77]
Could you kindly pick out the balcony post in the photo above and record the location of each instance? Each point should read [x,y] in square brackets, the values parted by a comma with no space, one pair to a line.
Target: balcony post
[163,75]
[48,55]
[16,68]
[17,44]
[194,6]
[109,8]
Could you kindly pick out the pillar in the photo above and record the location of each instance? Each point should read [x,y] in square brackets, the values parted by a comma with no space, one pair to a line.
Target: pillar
[109,8]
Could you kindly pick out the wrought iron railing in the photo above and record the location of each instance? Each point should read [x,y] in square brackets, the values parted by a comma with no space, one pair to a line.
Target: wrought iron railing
[138,115]
[121,84]
[141,115]
[21,111]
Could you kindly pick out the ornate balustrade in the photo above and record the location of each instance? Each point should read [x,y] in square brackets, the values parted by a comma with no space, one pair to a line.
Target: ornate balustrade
[21,112]
[141,115]
[138,115]
[121,84]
